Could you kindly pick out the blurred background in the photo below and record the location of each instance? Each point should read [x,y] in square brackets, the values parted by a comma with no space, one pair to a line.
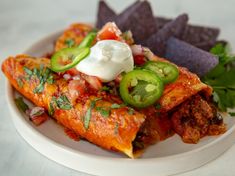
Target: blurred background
[23,22]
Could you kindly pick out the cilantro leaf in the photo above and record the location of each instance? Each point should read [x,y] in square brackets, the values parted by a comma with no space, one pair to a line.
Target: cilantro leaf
[105,88]
[221,78]
[104,111]
[21,104]
[232,114]
[28,71]
[39,88]
[20,82]
[158,106]
[63,103]
[87,116]
[116,128]
[69,42]
[51,109]
[44,74]
[130,111]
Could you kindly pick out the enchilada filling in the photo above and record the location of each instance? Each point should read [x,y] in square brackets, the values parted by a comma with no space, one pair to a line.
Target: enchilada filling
[196,118]
[192,120]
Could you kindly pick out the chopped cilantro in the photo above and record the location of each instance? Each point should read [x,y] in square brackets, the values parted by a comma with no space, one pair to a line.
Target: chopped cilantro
[87,116]
[69,42]
[41,68]
[158,106]
[131,111]
[51,109]
[116,128]
[50,79]
[43,74]
[39,88]
[19,82]
[21,104]
[105,88]
[28,71]
[103,111]
[63,103]
[35,72]
[232,114]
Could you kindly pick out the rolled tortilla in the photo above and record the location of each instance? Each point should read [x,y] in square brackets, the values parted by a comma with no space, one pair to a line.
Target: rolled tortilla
[116,132]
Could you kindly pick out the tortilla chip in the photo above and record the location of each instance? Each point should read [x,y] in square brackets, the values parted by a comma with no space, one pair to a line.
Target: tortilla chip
[175,28]
[186,55]
[200,36]
[161,21]
[104,15]
[207,45]
[139,19]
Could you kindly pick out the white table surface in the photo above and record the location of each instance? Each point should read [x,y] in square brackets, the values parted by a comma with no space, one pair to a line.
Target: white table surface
[23,22]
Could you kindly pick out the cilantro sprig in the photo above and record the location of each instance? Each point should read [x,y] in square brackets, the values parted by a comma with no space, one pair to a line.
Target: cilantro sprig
[88,114]
[44,75]
[69,42]
[21,104]
[222,78]
[61,102]
[104,111]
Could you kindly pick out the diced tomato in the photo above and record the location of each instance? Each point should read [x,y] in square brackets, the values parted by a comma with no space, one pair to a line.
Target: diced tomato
[139,60]
[76,88]
[93,81]
[38,120]
[109,32]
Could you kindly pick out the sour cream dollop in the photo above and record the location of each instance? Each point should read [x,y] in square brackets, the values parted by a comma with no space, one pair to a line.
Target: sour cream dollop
[107,59]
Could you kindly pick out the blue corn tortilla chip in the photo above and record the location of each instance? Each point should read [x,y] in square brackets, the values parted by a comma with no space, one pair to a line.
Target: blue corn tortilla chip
[161,21]
[186,55]
[175,28]
[206,45]
[196,35]
[203,37]
[139,19]
[104,14]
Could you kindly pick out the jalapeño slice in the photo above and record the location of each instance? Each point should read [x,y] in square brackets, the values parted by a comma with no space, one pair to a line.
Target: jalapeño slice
[87,41]
[141,88]
[166,71]
[67,58]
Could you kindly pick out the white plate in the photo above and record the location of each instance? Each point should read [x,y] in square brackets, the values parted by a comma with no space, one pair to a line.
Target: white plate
[165,158]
